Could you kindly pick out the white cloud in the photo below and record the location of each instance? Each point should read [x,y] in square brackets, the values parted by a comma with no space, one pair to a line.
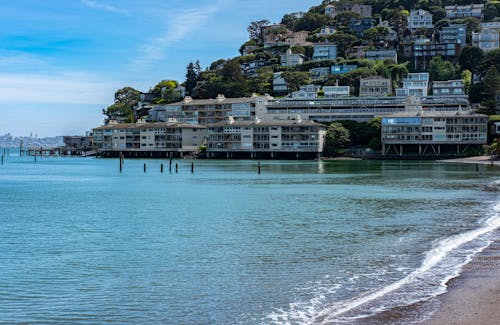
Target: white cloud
[66,88]
[102,6]
[181,25]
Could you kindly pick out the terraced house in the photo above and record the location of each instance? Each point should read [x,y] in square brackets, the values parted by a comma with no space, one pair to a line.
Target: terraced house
[165,139]
[294,138]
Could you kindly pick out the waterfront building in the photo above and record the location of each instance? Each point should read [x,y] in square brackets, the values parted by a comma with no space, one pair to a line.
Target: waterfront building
[375,86]
[418,19]
[418,131]
[290,59]
[165,139]
[291,138]
[166,112]
[359,109]
[218,109]
[448,88]
[382,55]
[458,12]
[324,51]
[77,144]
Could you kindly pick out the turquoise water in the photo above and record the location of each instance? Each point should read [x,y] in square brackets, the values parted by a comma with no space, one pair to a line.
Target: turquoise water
[303,242]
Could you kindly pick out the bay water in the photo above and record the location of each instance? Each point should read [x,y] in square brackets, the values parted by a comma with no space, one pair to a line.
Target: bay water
[304,242]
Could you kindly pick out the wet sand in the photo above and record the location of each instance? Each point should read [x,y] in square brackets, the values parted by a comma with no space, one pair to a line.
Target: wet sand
[473,297]
[480,160]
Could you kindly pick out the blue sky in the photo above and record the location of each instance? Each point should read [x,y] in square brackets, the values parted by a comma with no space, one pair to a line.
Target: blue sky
[62,61]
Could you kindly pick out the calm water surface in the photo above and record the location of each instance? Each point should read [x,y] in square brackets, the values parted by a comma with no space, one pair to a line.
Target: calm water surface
[304,242]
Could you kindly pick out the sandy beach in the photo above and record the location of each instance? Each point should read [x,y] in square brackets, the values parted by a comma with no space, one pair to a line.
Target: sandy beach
[481,160]
[473,297]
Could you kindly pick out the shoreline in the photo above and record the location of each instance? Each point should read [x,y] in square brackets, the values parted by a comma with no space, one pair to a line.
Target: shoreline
[474,296]
[480,160]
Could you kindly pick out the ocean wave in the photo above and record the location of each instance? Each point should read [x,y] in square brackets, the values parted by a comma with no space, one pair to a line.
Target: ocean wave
[440,264]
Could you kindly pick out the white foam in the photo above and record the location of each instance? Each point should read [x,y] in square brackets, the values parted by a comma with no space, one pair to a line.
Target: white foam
[441,250]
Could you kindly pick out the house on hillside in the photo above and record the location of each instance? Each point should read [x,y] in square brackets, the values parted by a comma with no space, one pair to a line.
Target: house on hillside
[307,91]
[448,88]
[319,74]
[419,19]
[290,59]
[297,39]
[359,26]
[488,38]
[361,9]
[382,55]
[336,91]
[274,35]
[343,68]
[324,51]
[279,83]
[472,10]
[375,86]
[455,33]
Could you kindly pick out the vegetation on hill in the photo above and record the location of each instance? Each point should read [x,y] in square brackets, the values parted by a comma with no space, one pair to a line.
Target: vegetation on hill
[252,71]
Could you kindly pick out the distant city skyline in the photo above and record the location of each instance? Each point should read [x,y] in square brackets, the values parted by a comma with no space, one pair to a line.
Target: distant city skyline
[61,62]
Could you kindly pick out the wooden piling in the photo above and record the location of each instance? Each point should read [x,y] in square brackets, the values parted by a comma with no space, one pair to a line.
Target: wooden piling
[192,167]
[161,168]
[176,168]
[258,167]
[477,168]
[144,167]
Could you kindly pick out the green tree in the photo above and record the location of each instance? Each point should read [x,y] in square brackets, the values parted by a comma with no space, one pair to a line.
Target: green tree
[470,57]
[467,79]
[490,59]
[438,13]
[121,112]
[491,84]
[441,70]
[127,95]
[311,21]
[337,137]
[290,21]
[343,41]
[255,30]
[191,78]
[295,79]
[251,42]
[165,92]
[376,33]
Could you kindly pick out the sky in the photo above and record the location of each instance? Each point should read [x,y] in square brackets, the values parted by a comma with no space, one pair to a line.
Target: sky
[62,61]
